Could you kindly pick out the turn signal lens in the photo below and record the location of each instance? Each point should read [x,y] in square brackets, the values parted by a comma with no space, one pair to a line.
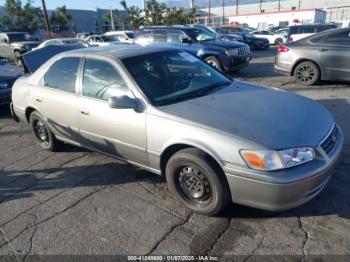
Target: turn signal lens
[255,160]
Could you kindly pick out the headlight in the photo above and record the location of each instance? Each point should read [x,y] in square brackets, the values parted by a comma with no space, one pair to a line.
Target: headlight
[231,52]
[270,160]
[3,85]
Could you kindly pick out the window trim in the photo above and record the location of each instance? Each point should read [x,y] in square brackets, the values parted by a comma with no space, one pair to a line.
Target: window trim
[41,78]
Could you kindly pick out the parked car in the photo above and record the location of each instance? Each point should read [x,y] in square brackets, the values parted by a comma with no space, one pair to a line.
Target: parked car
[123,36]
[297,32]
[82,36]
[215,139]
[226,56]
[274,39]
[8,75]
[102,40]
[63,41]
[324,56]
[254,42]
[217,35]
[14,44]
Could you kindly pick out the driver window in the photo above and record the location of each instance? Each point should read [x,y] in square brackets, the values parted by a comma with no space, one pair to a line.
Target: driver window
[102,81]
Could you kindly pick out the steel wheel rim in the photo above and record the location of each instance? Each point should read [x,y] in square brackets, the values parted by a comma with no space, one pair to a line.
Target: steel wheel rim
[306,73]
[213,63]
[193,185]
[41,132]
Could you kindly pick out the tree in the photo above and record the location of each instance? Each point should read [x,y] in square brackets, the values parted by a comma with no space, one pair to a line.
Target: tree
[154,12]
[59,19]
[21,17]
[133,15]
[179,16]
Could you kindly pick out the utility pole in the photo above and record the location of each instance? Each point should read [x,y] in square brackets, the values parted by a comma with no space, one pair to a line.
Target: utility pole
[299,4]
[237,2]
[46,18]
[209,13]
[112,19]
[223,11]
[279,5]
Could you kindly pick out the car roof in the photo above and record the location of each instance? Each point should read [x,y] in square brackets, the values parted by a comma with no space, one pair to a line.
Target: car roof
[120,52]
[314,25]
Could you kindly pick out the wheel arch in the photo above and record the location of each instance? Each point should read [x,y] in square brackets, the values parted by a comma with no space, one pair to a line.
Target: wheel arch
[172,149]
[29,110]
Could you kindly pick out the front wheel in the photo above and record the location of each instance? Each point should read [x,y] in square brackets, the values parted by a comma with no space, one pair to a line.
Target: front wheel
[42,132]
[278,41]
[195,179]
[18,60]
[213,61]
[306,73]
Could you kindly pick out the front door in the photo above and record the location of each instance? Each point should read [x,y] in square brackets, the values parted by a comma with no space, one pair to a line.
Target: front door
[118,132]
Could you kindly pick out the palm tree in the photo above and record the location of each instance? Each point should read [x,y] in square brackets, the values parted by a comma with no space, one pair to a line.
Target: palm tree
[133,15]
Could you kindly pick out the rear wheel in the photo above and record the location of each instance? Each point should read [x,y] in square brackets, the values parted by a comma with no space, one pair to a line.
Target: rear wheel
[213,61]
[197,181]
[42,132]
[306,73]
[278,41]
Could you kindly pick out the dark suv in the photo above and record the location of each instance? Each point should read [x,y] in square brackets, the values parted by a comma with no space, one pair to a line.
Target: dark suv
[14,44]
[226,56]
[254,42]
[8,75]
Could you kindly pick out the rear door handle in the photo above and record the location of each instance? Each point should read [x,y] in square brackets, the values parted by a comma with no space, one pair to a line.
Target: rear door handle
[323,49]
[84,112]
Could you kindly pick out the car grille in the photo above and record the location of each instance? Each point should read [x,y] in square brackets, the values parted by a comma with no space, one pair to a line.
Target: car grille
[329,142]
[243,51]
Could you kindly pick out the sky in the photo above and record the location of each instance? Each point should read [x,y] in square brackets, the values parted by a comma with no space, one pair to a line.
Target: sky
[82,4]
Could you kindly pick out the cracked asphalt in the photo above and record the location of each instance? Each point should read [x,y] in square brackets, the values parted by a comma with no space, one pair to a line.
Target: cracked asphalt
[77,202]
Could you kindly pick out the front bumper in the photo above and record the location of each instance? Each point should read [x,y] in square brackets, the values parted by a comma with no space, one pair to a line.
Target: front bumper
[282,190]
[235,63]
[5,97]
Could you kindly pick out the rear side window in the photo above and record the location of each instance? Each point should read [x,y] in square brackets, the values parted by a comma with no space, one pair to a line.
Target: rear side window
[294,30]
[307,30]
[102,81]
[62,74]
[338,38]
[160,36]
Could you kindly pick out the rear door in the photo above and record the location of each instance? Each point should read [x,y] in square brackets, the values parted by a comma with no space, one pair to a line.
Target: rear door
[334,54]
[56,99]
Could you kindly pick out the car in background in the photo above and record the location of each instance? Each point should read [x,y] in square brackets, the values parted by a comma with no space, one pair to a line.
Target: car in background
[283,31]
[218,35]
[225,56]
[297,32]
[14,44]
[123,36]
[254,42]
[274,39]
[216,140]
[102,40]
[82,35]
[63,41]
[8,75]
[323,56]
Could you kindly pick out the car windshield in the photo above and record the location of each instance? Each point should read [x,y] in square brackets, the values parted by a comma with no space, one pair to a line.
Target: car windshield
[173,76]
[131,35]
[18,37]
[109,38]
[200,35]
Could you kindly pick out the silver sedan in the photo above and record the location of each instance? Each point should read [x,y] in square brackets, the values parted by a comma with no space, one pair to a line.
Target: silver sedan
[215,139]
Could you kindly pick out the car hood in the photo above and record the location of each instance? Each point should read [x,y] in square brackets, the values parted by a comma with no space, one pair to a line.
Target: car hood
[8,72]
[270,117]
[224,44]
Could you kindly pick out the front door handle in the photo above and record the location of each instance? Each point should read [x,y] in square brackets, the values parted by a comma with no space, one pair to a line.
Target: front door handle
[323,49]
[84,112]
[39,100]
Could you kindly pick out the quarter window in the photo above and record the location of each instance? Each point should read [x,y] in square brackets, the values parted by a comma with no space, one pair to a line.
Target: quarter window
[102,81]
[62,74]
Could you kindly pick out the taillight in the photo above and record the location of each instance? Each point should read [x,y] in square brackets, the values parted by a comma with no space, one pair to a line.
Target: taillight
[282,49]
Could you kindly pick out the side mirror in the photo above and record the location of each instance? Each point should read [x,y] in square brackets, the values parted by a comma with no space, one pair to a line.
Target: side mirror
[124,102]
[186,40]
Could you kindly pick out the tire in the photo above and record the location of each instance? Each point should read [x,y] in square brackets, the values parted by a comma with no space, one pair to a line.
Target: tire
[278,41]
[197,181]
[214,62]
[42,132]
[252,47]
[18,61]
[306,73]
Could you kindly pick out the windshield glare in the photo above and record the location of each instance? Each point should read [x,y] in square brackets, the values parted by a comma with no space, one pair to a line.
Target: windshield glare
[172,76]
[200,35]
